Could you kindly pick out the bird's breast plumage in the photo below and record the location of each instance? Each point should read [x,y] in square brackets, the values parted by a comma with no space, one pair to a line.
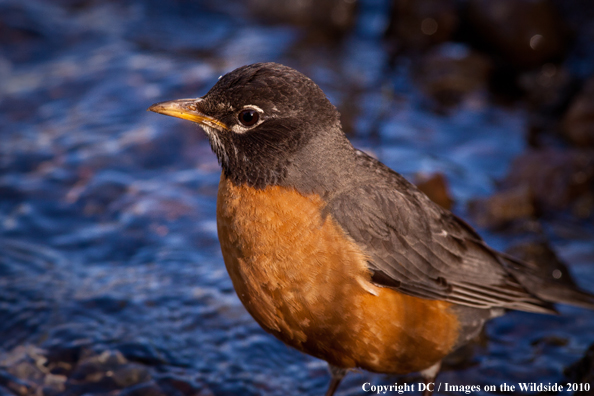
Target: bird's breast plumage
[304,280]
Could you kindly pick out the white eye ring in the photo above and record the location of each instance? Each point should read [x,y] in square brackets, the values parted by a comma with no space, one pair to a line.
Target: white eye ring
[259,110]
[245,125]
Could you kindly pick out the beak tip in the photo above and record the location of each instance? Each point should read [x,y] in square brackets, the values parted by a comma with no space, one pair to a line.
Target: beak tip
[186,109]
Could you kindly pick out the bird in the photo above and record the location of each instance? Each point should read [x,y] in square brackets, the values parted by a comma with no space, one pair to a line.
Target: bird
[333,252]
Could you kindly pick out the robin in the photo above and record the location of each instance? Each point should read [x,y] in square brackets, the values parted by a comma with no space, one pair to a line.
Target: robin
[333,252]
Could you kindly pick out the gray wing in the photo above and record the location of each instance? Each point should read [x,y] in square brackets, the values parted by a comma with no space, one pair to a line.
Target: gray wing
[420,249]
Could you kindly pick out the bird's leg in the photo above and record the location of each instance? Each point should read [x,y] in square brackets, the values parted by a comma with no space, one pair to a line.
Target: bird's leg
[429,375]
[337,376]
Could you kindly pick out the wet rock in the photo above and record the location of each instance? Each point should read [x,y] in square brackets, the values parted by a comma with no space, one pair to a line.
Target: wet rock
[557,179]
[525,32]
[578,123]
[548,88]
[55,382]
[328,16]
[33,371]
[61,358]
[142,353]
[436,188]
[27,369]
[450,71]
[130,374]
[24,371]
[503,207]
[13,384]
[417,24]
[540,181]
[582,372]
[25,362]
[98,368]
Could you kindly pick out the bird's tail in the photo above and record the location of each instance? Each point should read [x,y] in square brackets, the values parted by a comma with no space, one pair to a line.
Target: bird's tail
[565,295]
[548,288]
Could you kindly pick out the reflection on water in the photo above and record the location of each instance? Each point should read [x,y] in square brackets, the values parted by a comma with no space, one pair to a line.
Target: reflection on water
[109,260]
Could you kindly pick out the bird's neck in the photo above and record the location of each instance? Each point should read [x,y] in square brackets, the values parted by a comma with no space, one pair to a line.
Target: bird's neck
[320,167]
[323,167]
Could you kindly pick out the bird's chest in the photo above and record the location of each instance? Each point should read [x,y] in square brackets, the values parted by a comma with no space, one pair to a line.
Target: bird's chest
[305,281]
[289,266]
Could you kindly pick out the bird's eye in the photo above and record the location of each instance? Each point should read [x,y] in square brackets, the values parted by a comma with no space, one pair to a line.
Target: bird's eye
[248,117]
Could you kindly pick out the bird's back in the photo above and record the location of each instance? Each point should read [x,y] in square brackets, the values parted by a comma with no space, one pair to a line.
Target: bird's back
[417,247]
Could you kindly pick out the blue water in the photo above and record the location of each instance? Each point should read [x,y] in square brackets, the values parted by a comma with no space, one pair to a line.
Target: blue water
[107,212]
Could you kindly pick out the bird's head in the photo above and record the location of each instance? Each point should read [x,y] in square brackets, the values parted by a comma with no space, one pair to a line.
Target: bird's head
[259,118]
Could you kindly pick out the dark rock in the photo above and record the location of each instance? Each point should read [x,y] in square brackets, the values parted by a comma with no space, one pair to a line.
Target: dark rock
[540,181]
[548,88]
[141,353]
[14,384]
[449,72]
[28,373]
[436,188]
[556,179]
[67,354]
[54,383]
[130,374]
[417,24]
[578,123]
[33,371]
[95,368]
[525,32]
[327,16]
[26,363]
[582,372]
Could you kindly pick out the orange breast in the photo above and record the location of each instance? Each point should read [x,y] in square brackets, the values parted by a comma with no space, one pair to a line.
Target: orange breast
[304,280]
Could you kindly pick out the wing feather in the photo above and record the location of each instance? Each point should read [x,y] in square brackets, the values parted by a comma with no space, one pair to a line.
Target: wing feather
[420,249]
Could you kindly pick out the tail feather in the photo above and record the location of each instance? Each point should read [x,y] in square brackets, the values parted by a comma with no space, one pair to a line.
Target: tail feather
[564,295]
[548,288]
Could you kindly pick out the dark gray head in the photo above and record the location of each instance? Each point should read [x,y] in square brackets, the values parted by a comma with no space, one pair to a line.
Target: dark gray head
[261,120]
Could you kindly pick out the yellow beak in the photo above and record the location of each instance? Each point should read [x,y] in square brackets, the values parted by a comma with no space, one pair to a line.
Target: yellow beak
[187,109]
